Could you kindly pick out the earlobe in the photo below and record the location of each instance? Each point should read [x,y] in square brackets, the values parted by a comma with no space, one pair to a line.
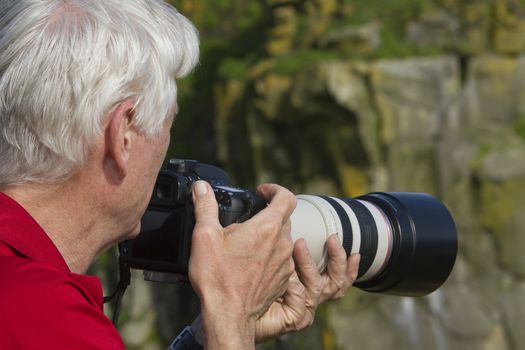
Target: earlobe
[119,136]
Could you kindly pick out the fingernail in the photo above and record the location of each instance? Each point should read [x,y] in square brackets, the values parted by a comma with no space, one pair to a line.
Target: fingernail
[200,188]
[356,272]
[338,239]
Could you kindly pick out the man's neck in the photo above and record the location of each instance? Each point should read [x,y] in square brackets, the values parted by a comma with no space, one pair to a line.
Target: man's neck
[72,222]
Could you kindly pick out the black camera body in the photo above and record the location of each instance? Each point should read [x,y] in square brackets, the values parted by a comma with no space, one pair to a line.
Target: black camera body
[163,246]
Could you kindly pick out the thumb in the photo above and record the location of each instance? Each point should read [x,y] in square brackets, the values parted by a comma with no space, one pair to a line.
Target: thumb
[205,205]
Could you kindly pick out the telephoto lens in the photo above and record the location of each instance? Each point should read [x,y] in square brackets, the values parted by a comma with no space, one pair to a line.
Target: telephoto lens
[407,241]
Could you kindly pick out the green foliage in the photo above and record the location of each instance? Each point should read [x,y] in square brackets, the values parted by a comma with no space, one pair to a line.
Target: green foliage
[393,17]
[230,32]
[234,68]
[254,13]
[393,44]
[519,126]
[392,11]
[483,151]
[293,63]
[221,18]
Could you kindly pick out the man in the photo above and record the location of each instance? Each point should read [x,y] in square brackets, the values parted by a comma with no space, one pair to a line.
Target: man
[87,99]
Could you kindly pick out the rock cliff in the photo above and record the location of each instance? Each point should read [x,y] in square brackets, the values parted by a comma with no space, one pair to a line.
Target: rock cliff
[343,97]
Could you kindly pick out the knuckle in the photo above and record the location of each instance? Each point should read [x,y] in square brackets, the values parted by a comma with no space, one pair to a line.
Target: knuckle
[306,322]
[270,226]
[292,200]
[312,304]
[291,267]
[347,283]
[287,227]
[205,205]
[317,288]
[340,289]
[267,191]
[336,285]
[203,231]
[309,321]
[339,295]
[233,227]
[287,247]
[286,271]
[288,199]
[353,277]
[275,226]
[301,292]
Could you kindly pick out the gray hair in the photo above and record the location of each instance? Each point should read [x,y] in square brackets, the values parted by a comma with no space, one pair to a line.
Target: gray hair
[64,64]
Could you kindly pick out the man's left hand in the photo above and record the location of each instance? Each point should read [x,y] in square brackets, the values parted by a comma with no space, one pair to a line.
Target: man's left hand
[307,289]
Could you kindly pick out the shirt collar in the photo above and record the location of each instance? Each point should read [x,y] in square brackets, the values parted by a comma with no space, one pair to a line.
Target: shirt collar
[19,230]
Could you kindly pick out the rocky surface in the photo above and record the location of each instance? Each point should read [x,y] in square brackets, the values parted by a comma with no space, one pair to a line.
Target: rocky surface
[340,103]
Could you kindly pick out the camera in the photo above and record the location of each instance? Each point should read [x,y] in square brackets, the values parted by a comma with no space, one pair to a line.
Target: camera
[407,241]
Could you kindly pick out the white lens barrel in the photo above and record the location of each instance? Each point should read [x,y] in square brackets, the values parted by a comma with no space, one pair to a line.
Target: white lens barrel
[315,219]
[384,242]
[354,222]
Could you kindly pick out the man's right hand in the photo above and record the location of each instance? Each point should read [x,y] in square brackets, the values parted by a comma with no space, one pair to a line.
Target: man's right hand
[238,271]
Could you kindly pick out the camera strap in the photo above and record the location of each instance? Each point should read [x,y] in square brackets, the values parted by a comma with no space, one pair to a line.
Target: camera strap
[123,283]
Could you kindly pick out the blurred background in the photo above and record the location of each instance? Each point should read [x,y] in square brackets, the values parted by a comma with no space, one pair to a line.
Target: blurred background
[344,97]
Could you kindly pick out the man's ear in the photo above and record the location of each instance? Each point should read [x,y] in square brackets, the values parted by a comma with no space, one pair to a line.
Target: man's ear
[120,133]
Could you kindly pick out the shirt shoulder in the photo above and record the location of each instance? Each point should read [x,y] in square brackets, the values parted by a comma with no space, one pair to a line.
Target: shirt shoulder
[45,308]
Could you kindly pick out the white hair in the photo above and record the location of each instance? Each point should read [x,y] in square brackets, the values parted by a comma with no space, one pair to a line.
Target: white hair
[64,64]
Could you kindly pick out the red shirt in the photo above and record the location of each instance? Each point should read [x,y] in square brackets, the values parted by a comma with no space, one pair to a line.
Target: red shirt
[43,305]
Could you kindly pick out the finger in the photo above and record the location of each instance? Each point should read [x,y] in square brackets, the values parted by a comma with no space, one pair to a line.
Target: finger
[205,205]
[286,230]
[336,267]
[353,267]
[294,305]
[284,265]
[288,271]
[282,275]
[336,281]
[281,202]
[285,313]
[294,296]
[279,237]
[308,272]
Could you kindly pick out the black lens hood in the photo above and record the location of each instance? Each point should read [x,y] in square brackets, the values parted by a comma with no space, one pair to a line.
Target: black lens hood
[424,244]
